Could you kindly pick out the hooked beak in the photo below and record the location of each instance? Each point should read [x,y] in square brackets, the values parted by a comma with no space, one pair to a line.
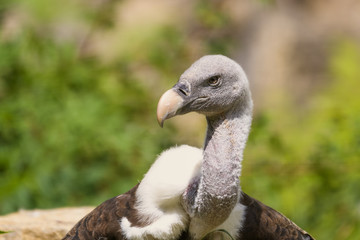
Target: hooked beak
[168,106]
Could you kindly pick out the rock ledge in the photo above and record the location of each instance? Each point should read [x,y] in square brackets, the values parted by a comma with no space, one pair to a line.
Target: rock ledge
[40,224]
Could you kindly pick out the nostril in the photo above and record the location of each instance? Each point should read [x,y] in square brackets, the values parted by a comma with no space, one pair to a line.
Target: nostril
[183,91]
[182,88]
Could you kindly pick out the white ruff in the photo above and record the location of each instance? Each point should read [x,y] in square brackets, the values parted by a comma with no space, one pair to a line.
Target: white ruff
[158,195]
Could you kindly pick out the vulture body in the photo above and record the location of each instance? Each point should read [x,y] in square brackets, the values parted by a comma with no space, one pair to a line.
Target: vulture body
[260,222]
[190,193]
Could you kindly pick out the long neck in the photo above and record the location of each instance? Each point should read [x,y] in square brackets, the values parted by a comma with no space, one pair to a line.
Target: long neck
[218,189]
[223,152]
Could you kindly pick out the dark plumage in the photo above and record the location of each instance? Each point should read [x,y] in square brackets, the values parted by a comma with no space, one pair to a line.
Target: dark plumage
[262,222]
[103,221]
[188,193]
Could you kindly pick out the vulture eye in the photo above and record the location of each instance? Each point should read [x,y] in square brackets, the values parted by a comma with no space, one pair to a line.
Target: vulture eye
[214,81]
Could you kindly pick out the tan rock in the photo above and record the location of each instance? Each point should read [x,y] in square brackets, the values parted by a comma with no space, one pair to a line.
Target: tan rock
[40,224]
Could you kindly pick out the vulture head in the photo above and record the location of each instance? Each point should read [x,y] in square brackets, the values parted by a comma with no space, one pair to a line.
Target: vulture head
[211,86]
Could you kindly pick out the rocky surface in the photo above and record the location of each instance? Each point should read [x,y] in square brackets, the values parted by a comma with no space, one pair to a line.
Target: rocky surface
[40,224]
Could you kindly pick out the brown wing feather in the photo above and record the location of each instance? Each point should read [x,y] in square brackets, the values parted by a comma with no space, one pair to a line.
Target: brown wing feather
[103,221]
[263,222]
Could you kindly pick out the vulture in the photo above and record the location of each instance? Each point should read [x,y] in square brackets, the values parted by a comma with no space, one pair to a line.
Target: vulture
[191,193]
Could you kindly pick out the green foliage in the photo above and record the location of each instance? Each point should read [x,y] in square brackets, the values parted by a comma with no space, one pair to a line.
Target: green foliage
[76,130]
[268,2]
[307,163]
[73,130]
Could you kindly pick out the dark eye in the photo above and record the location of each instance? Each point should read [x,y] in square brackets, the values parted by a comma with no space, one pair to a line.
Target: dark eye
[214,81]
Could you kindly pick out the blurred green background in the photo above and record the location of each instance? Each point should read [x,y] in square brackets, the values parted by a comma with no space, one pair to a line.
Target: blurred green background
[80,80]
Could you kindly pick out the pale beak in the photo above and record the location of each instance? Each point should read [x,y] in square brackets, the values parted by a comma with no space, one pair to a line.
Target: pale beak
[169,103]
